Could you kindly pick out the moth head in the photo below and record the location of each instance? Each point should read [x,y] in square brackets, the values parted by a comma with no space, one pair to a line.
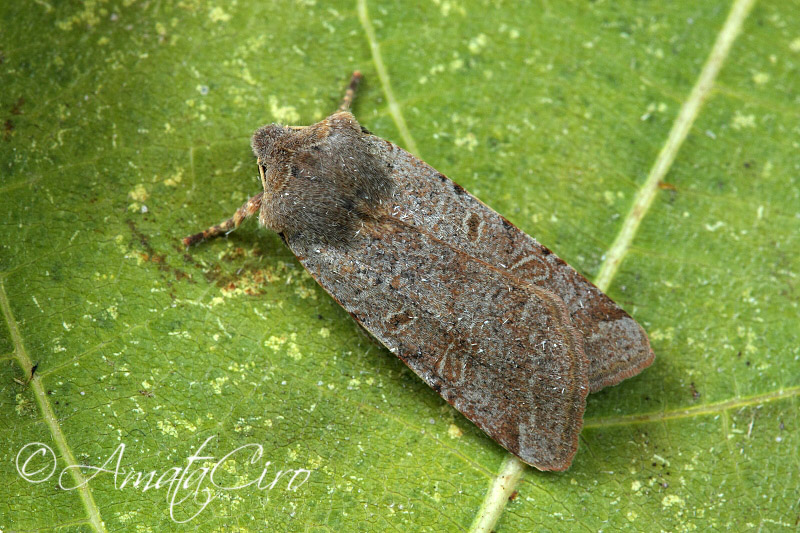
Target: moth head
[321,182]
[267,138]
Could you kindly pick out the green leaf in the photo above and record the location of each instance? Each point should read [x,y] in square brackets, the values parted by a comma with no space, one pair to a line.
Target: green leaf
[126,126]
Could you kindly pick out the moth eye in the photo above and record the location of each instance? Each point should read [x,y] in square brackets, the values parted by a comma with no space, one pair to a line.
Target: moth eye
[262,173]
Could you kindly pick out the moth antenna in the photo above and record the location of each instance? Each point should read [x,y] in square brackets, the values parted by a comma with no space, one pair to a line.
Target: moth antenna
[350,93]
[248,209]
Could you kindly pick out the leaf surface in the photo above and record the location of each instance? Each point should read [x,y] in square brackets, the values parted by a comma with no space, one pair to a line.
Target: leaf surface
[126,126]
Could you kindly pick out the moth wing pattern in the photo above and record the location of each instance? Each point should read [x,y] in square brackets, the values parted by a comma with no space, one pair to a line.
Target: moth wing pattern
[428,303]
[616,345]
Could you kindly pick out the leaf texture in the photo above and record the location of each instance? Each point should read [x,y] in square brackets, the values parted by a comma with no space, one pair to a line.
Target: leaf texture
[126,126]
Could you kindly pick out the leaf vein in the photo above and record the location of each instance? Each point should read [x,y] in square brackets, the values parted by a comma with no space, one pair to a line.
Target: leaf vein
[699,410]
[24,361]
[680,129]
[383,76]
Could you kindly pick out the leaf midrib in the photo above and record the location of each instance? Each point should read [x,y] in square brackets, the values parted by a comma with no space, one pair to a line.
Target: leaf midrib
[48,415]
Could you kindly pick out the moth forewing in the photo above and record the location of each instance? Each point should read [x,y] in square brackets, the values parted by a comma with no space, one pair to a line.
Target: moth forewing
[617,347]
[501,351]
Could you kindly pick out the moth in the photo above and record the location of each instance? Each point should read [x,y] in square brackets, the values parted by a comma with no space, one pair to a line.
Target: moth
[497,324]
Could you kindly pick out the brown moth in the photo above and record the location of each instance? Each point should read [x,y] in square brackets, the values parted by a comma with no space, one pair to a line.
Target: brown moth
[497,324]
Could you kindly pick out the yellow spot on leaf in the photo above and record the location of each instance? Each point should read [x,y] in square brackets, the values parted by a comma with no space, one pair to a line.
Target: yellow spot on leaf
[478,43]
[468,141]
[660,335]
[175,179]
[275,342]
[447,6]
[167,428]
[671,500]
[138,193]
[217,384]
[23,405]
[767,170]
[218,15]
[743,121]
[283,114]
[294,351]
[454,431]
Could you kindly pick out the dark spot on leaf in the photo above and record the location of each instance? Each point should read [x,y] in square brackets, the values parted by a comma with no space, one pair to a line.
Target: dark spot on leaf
[16,109]
[8,128]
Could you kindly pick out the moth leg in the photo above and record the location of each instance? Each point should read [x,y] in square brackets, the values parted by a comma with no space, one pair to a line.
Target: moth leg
[248,209]
[350,93]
